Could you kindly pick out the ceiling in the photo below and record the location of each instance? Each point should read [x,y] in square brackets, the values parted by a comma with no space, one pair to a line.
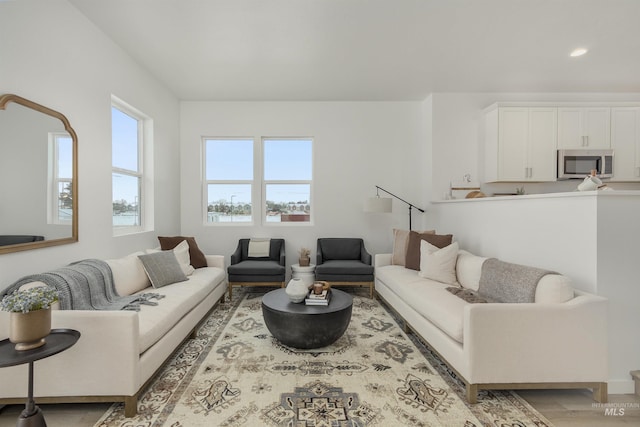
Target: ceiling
[375,49]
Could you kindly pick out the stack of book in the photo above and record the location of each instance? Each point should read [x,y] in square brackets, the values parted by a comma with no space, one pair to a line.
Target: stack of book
[318,299]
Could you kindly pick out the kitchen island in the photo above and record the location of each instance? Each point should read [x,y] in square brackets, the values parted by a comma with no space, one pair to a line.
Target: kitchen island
[593,237]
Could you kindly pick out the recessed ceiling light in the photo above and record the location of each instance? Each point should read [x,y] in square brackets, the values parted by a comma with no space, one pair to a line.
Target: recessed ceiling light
[578,52]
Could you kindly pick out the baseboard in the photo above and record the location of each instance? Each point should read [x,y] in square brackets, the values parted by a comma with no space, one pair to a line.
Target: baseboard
[621,386]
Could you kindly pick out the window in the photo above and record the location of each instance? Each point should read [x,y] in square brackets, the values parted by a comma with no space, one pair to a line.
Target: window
[61,173]
[279,180]
[229,180]
[129,184]
[288,175]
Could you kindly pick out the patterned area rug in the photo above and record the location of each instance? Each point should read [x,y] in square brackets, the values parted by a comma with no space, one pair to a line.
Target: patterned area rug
[236,374]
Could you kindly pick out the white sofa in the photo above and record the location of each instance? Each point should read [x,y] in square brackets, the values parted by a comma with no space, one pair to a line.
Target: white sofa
[118,351]
[558,341]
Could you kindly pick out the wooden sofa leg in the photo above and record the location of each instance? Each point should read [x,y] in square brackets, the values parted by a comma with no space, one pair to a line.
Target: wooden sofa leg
[472,393]
[130,406]
[230,291]
[600,393]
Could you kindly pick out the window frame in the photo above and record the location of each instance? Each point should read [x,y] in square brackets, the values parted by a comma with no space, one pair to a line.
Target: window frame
[266,182]
[258,184]
[207,182]
[144,221]
[53,194]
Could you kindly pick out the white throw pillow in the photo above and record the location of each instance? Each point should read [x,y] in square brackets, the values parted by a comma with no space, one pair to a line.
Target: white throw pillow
[554,288]
[469,269]
[129,276]
[438,264]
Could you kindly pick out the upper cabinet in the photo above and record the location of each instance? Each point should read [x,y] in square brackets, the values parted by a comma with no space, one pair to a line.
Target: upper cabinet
[521,144]
[625,141]
[584,127]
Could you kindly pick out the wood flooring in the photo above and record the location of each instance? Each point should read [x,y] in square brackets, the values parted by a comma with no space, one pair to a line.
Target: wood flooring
[564,408]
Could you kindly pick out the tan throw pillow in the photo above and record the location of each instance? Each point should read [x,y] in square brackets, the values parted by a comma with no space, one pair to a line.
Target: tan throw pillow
[400,244]
[198,260]
[412,260]
[438,264]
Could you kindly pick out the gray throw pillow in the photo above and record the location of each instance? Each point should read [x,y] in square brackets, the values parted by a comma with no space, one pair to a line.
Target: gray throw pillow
[162,268]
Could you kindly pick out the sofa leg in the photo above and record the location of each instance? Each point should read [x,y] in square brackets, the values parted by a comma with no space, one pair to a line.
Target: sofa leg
[600,393]
[472,393]
[130,406]
[230,291]
[371,290]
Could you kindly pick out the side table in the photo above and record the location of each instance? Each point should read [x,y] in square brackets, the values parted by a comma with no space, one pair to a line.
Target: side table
[307,274]
[57,341]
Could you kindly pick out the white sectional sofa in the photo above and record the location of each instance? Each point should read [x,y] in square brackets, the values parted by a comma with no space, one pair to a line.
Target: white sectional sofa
[119,351]
[558,341]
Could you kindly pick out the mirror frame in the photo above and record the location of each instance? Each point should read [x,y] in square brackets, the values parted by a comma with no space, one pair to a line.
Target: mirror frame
[6,99]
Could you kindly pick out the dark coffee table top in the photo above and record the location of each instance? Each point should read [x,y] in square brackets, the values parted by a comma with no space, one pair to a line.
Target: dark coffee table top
[57,341]
[278,300]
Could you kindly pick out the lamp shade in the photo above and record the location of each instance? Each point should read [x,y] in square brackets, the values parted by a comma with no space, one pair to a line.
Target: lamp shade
[377,204]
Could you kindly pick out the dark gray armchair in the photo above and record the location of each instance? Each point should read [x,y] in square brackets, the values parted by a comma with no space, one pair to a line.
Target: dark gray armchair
[344,262]
[257,271]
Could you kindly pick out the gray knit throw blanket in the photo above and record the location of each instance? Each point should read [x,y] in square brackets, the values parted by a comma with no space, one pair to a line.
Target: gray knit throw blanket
[86,285]
[505,282]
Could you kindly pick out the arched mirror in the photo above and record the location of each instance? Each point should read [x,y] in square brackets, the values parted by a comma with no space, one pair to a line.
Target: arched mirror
[38,176]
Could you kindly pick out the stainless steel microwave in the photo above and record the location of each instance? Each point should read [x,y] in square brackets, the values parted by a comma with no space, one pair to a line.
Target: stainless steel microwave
[580,163]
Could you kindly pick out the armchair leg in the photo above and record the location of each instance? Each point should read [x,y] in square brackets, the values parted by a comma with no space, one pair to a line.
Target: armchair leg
[230,291]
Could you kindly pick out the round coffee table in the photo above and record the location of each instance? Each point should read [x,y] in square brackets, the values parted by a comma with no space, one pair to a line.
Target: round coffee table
[306,326]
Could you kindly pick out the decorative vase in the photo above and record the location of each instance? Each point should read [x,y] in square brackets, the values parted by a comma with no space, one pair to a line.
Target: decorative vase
[297,290]
[28,330]
[304,261]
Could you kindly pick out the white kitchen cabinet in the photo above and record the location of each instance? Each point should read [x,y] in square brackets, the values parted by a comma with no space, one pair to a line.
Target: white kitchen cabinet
[521,144]
[584,127]
[625,141]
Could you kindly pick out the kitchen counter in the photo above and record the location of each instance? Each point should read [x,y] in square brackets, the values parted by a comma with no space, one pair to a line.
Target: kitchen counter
[598,193]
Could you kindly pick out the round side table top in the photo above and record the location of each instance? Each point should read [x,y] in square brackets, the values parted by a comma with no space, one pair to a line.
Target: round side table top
[300,269]
[57,341]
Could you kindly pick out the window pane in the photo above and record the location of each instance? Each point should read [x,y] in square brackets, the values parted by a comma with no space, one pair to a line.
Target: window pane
[288,159]
[229,203]
[229,159]
[65,157]
[126,200]
[288,202]
[124,136]
[65,201]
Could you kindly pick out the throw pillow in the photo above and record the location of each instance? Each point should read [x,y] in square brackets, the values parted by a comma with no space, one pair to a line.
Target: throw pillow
[128,273]
[412,259]
[198,260]
[182,255]
[259,247]
[438,264]
[400,244]
[162,268]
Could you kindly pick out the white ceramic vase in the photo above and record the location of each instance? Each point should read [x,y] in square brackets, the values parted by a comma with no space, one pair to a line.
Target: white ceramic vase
[297,290]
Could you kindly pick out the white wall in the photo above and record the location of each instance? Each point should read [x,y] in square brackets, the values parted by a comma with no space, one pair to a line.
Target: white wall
[357,145]
[53,55]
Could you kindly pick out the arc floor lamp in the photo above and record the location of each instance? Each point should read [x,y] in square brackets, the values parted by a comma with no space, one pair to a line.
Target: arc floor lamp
[383,204]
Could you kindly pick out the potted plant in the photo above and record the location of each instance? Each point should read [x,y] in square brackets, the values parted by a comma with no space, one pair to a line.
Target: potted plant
[30,315]
[304,259]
